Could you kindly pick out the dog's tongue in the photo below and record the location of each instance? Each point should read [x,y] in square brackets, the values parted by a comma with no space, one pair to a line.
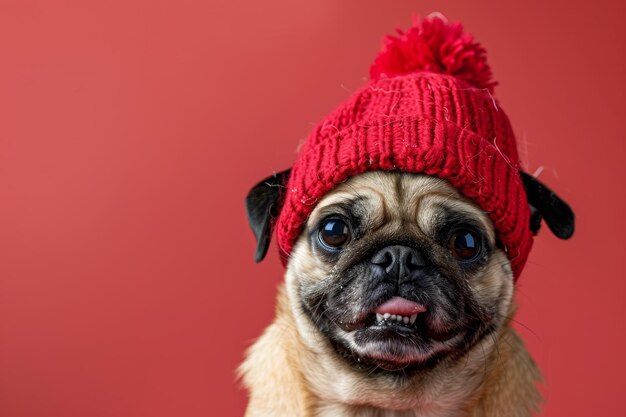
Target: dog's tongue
[401,306]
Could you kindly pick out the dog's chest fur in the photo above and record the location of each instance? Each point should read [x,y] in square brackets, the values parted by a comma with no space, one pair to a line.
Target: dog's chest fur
[335,410]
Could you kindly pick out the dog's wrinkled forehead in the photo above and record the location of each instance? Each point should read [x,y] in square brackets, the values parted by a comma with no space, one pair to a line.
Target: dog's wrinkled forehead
[400,201]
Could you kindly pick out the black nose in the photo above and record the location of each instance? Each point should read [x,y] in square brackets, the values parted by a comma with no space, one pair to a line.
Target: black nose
[399,261]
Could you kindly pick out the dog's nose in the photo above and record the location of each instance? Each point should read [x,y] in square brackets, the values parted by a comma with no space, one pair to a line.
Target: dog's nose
[399,261]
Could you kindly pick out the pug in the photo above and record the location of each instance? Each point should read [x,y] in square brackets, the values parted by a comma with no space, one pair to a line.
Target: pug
[397,301]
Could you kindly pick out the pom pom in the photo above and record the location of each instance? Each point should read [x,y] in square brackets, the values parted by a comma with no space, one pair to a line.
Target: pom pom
[434,45]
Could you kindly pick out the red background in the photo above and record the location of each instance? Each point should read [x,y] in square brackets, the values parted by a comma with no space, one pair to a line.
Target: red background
[130,132]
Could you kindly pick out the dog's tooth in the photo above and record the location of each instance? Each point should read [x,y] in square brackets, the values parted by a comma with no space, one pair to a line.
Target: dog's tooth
[393,317]
[405,319]
[413,318]
[379,317]
[386,315]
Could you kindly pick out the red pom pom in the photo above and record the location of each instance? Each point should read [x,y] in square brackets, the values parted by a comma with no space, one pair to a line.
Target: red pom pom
[434,45]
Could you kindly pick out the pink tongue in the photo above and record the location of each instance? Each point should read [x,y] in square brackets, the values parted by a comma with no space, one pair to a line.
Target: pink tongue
[401,306]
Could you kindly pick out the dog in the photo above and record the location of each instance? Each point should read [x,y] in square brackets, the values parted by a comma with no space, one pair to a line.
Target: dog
[397,301]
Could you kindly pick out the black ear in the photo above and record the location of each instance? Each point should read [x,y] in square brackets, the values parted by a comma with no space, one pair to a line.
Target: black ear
[262,208]
[535,219]
[545,203]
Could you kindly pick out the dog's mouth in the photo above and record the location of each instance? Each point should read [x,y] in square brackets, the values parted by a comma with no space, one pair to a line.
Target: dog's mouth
[398,333]
[399,311]
[402,315]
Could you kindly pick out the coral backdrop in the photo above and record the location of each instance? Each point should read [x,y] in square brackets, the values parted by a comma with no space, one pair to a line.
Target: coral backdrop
[130,132]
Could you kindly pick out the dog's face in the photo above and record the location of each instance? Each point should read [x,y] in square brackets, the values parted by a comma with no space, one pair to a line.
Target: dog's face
[400,271]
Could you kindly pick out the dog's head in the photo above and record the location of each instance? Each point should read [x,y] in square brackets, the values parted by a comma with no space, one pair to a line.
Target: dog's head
[398,270]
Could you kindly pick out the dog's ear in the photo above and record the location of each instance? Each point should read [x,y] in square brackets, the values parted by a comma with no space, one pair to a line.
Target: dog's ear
[544,203]
[262,208]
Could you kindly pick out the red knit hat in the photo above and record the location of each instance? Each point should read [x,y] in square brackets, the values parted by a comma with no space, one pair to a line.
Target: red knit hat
[427,108]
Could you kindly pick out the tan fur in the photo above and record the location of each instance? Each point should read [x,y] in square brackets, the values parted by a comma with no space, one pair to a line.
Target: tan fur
[273,368]
[509,389]
[292,370]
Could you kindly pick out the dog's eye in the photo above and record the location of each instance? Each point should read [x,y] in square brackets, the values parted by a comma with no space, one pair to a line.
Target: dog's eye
[334,233]
[464,244]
